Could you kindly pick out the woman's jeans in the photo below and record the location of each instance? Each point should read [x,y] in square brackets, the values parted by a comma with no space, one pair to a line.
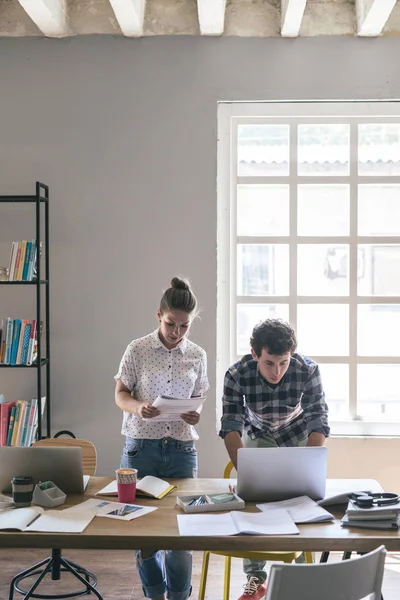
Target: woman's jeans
[168,571]
[256,568]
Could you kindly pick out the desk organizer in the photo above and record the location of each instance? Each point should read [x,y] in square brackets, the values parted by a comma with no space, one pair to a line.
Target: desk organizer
[48,495]
[209,506]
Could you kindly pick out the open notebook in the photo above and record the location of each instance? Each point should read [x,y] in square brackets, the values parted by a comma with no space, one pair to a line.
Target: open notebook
[35,518]
[154,487]
[237,523]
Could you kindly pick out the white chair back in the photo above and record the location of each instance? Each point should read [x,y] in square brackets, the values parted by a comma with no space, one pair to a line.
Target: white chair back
[352,579]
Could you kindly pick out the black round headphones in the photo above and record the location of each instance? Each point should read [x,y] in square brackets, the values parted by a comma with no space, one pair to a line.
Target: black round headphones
[369,499]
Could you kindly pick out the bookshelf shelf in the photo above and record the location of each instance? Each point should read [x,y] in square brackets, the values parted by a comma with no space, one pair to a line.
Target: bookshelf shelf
[42,282]
[35,365]
[40,200]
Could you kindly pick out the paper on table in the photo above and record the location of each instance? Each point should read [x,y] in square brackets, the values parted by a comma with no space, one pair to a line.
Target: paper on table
[171,408]
[302,510]
[236,523]
[60,521]
[337,490]
[111,510]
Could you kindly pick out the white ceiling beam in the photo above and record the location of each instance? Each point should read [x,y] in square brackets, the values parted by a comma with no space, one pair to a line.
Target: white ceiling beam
[372,16]
[292,12]
[211,16]
[49,16]
[130,16]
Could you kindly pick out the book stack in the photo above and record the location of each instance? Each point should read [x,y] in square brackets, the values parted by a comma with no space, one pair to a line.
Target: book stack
[18,341]
[22,266]
[19,422]
[376,517]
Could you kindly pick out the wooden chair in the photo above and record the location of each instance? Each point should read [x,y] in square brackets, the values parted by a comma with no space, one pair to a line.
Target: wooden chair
[350,579]
[55,564]
[285,557]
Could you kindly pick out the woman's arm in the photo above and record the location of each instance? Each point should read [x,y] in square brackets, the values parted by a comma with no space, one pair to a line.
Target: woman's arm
[124,401]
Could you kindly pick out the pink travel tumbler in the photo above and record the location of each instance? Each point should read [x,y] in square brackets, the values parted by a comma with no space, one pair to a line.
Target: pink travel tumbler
[126,484]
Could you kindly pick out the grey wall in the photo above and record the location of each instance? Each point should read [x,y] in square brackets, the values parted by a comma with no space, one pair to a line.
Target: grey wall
[124,132]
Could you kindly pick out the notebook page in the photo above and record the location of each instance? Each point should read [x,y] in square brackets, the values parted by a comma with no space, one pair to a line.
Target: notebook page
[302,510]
[275,522]
[200,524]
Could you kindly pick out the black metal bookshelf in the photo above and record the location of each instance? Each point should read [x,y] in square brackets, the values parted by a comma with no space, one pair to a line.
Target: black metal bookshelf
[39,199]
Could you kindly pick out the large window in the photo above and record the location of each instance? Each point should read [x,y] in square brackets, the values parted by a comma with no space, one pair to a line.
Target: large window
[309,231]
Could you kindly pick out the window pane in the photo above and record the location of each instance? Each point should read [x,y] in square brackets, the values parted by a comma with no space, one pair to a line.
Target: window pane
[322,270]
[263,269]
[380,275]
[263,150]
[323,209]
[378,329]
[379,209]
[323,329]
[335,381]
[248,315]
[377,396]
[323,149]
[263,210]
[379,149]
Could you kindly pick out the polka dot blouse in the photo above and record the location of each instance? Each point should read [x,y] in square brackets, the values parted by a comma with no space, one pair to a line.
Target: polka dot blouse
[149,369]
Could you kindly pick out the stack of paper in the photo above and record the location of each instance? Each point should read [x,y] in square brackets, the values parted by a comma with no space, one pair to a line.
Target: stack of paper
[171,408]
[376,517]
[301,509]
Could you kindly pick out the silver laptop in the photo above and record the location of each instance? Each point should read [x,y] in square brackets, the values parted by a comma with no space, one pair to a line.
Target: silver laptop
[268,474]
[62,466]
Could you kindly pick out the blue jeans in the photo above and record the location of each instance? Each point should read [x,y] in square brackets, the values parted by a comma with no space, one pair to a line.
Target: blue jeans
[168,571]
[256,568]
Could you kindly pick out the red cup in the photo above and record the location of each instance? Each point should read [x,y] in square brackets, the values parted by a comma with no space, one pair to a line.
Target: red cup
[126,485]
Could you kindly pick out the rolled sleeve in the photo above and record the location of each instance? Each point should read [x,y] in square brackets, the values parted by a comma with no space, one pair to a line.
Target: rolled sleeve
[201,386]
[314,405]
[127,369]
[232,406]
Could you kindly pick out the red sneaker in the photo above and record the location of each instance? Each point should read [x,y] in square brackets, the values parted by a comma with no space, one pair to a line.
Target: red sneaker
[254,589]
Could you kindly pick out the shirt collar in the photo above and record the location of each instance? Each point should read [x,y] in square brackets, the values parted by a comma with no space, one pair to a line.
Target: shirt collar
[157,343]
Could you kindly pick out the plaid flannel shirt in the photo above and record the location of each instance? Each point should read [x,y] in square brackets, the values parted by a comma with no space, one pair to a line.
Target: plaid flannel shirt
[288,412]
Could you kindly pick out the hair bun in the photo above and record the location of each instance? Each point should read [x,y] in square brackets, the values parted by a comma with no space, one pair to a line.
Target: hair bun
[180,284]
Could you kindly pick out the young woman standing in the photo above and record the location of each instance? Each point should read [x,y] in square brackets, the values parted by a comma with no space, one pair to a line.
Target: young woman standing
[163,362]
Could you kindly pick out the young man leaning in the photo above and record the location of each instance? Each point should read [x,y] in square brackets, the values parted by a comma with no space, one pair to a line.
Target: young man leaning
[272,397]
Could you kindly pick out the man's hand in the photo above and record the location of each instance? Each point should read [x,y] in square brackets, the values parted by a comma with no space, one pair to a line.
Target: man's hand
[146,411]
[316,439]
[191,418]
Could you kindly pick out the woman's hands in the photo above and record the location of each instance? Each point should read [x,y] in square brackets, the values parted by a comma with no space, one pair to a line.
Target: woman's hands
[146,411]
[191,418]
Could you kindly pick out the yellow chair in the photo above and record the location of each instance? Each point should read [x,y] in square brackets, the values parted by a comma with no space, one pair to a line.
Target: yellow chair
[285,557]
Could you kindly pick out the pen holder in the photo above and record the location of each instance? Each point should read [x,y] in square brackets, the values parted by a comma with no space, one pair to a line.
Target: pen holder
[211,503]
[48,495]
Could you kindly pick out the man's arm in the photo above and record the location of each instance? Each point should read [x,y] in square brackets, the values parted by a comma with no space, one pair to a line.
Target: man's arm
[233,441]
[315,410]
[316,439]
[232,416]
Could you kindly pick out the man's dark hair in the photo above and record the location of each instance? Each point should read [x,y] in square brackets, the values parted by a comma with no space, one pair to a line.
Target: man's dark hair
[275,335]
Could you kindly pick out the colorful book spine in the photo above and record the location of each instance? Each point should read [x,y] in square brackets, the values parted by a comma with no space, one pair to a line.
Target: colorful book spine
[11,425]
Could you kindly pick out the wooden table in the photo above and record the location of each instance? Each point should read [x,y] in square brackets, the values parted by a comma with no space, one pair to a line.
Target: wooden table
[159,529]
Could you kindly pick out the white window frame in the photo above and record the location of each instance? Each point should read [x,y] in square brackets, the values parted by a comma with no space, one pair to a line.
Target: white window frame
[230,115]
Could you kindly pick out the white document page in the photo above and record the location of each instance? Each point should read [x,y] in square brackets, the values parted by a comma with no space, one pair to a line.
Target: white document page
[201,524]
[61,521]
[171,408]
[337,490]
[302,510]
[236,522]
[111,510]
[19,518]
[278,522]
[110,490]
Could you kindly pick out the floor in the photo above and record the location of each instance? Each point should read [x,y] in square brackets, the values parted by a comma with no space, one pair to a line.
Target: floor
[118,580]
